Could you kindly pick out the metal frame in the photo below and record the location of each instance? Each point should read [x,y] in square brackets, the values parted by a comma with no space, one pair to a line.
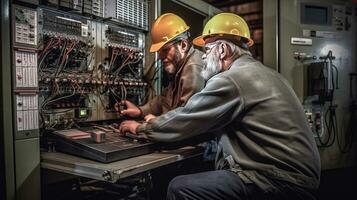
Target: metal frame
[6,122]
[112,172]
[271,36]
[157,13]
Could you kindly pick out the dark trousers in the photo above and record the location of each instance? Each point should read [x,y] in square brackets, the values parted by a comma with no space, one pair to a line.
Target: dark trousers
[226,185]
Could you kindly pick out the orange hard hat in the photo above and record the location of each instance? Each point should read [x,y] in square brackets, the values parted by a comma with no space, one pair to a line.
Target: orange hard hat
[165,28]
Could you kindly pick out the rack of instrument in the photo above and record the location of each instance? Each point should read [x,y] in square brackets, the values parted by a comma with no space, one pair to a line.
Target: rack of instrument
[72,65]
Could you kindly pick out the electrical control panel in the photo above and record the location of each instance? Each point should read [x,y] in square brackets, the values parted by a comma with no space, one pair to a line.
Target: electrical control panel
[71,65]
[58,66]
[25,63]
[25,27]
[63,25]
[27,112]
[85,67]
[318,42]
[25,71]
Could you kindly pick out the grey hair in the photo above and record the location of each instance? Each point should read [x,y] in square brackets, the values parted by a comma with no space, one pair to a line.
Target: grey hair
[185,35]
[236,50]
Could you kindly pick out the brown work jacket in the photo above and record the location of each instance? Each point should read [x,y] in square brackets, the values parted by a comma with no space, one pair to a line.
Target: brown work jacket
[187,82]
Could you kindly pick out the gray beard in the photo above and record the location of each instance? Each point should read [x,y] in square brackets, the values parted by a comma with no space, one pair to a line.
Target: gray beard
[174,64]
[212,67]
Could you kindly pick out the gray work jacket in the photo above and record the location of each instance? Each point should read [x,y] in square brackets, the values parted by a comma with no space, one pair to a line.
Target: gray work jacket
[264,131]
[188,81]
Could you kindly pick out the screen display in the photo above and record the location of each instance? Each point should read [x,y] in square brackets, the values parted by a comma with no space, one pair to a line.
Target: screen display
[314,14]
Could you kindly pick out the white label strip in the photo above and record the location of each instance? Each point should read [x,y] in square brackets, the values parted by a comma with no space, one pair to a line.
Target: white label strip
[301,41]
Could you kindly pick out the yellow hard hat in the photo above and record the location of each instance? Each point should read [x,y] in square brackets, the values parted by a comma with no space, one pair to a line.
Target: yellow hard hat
[166,28]
[225,24]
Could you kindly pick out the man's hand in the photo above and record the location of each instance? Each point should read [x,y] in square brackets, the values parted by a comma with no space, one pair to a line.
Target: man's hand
[149,117]
[129,126]
[131,109]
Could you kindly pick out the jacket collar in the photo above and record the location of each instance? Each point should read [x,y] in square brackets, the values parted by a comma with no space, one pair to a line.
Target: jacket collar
[189,54]
[242,60]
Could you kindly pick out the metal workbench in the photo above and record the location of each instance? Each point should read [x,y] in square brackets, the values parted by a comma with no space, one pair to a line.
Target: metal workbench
[114,171]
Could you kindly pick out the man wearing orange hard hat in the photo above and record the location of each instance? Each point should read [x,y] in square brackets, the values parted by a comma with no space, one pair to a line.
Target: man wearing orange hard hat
[266,148]
[182,64]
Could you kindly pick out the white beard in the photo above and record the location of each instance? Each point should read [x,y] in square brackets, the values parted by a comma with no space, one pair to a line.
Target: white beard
[212,66]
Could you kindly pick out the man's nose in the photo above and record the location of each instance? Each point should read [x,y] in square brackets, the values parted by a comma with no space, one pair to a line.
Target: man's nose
[164,59]
[204,56]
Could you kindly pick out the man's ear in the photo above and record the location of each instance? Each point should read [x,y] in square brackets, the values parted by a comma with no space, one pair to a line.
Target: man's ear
[183,46]
[223,51]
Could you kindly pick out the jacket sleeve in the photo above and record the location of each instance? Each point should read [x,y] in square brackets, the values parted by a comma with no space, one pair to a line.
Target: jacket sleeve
[152,107]
[217,105]
[191,83]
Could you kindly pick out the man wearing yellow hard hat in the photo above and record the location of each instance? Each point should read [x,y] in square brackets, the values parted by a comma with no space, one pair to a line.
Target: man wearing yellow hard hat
[182,64]
[266,148]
